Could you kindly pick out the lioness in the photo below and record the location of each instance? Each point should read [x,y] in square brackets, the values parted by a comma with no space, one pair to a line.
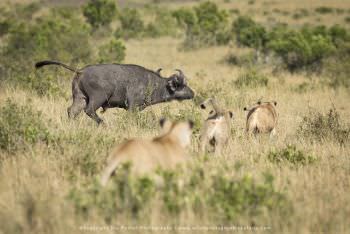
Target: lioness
[216,129]
[164,151]
[262,118]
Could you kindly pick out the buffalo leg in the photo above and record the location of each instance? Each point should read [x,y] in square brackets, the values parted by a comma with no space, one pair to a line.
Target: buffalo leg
[78,105]
[79,99]
[92,106]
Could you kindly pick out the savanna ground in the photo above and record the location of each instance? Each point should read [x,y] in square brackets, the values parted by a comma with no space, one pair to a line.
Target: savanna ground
[297,182]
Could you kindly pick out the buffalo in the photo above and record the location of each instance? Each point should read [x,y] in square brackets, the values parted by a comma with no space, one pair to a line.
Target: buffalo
[127,86]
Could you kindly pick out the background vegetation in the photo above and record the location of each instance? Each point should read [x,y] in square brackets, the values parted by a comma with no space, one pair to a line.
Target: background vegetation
[296,53]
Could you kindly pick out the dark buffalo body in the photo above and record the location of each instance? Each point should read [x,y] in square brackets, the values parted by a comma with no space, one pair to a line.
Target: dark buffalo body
[127,86]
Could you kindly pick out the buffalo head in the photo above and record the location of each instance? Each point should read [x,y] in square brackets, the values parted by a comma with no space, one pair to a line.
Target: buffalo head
[178,88]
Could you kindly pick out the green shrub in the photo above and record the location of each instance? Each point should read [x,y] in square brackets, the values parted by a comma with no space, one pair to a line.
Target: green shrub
[251,78]
[131,24]
[9,16]
[249,33]
[300,49]
[251,2]
[347,19]
[26,11]
[301,13]
[291,155]
[248,59]
[164,24]
[86,151]
[45,84]
[20,127]
[185,17]
[112,52]
[221,197]
[210,18]
[100,12]
[231,198]
[324,10]
[60,35]
[207,27]
[128,195]
[306,48]
[325,127]
[5,26]
[235,11]
[340,10]
[337,69]
[339,35]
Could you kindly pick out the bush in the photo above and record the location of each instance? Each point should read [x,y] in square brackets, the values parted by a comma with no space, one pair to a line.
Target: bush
[164,24]
[44,84]
[185,17]
[131,24]
[9,16]
[208,26]
[230,198]
[291,155]
[337,69]
[100,12]
[300,49]
[222,198]
[325,127]
[249,33]
[20,127]
[209,17]
[127,196]
[347,19]
[304,48]
[87,150]
[5,26]
[301,13]
[251,78]
[339,35]
[324,10]
[60,35]
[112,52]
[247,59]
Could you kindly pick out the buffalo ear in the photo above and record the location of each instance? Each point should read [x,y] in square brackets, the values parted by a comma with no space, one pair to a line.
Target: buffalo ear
[174,81]
[172,84]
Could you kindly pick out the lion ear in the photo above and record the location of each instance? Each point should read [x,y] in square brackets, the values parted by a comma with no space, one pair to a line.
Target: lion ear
[275,103]
[230,114]
[165,124]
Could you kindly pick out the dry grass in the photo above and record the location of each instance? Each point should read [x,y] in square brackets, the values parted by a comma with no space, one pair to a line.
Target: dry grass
[34,184]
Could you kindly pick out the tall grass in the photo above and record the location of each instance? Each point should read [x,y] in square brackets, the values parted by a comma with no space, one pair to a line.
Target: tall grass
[49,165]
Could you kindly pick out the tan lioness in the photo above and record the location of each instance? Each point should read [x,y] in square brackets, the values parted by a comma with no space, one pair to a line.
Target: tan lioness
[262,118]
[164,151]
[216,129]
